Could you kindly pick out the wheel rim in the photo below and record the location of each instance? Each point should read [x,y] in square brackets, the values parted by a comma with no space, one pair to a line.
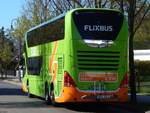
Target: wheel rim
[52,97]
[46,96]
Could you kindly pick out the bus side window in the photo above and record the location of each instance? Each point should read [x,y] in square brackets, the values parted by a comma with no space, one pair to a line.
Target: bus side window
[34,65]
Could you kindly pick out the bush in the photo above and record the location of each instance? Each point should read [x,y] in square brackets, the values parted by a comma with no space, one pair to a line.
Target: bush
[143,70]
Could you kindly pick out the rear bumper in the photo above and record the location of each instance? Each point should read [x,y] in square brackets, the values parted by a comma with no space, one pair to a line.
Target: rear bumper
[72,94]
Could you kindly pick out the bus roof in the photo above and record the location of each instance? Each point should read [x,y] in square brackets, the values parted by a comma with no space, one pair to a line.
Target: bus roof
[47,22]
[62,15]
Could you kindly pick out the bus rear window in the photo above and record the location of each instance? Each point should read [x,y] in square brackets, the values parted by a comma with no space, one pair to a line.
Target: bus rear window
[99,24]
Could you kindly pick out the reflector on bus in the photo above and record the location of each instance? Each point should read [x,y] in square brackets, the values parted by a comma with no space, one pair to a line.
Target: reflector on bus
[98,76]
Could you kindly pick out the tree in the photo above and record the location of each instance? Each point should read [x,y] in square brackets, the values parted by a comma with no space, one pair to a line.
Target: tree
[6,52]
[133,12]
[131,19]
[33,13]
[21,26]
[142,37]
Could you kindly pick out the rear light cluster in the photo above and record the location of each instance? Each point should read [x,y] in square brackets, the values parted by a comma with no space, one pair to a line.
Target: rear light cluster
[68,81]
[124,83]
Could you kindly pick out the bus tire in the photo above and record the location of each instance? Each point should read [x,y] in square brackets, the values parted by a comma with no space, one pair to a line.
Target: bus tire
[52,97]
[47,96]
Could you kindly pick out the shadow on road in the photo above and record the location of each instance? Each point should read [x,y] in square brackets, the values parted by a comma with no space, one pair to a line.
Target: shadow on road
[31,104]
[109,108]
[7,88]
[15,98]
[11,91]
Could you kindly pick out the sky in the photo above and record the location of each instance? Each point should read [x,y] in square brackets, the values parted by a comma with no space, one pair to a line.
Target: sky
[9,11]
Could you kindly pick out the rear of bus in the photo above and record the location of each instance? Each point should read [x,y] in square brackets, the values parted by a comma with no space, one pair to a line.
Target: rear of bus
[96,56]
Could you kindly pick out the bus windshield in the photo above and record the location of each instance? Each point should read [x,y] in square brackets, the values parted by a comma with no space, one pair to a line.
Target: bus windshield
[98,26]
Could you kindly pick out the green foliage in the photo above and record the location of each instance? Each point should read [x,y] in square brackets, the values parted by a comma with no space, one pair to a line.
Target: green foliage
[142,37]
[23,24]
[33,13]
[6,53]
[143,70]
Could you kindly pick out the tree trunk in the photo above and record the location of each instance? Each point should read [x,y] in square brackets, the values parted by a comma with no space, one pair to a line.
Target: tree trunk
[121,6]
[132,79]
[99,3]
[96,4]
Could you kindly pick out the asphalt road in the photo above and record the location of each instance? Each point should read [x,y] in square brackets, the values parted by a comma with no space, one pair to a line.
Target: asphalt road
[13,100]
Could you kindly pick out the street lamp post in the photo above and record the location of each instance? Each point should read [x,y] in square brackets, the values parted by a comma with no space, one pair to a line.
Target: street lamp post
[19,49]
[19,57]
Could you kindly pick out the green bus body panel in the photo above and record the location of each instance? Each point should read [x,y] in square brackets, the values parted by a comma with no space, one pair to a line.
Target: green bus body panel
[37,82]
[68,51]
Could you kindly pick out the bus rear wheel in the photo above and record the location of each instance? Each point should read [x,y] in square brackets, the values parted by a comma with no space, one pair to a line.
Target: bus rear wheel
[47,96]
[52,97]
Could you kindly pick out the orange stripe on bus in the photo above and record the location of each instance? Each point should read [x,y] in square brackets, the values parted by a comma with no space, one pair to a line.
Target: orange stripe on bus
[55,71]
[52,56]
[71,94]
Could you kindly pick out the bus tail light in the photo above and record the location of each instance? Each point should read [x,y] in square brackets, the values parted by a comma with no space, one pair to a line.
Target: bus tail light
[124,83]
[68,81]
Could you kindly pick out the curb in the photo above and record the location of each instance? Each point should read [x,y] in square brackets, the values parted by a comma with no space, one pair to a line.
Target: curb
[13,81]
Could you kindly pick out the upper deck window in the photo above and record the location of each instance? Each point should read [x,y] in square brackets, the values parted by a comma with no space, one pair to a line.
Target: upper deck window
[47,33]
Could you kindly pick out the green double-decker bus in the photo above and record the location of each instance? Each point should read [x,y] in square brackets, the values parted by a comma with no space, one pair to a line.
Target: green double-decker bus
[80,56]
